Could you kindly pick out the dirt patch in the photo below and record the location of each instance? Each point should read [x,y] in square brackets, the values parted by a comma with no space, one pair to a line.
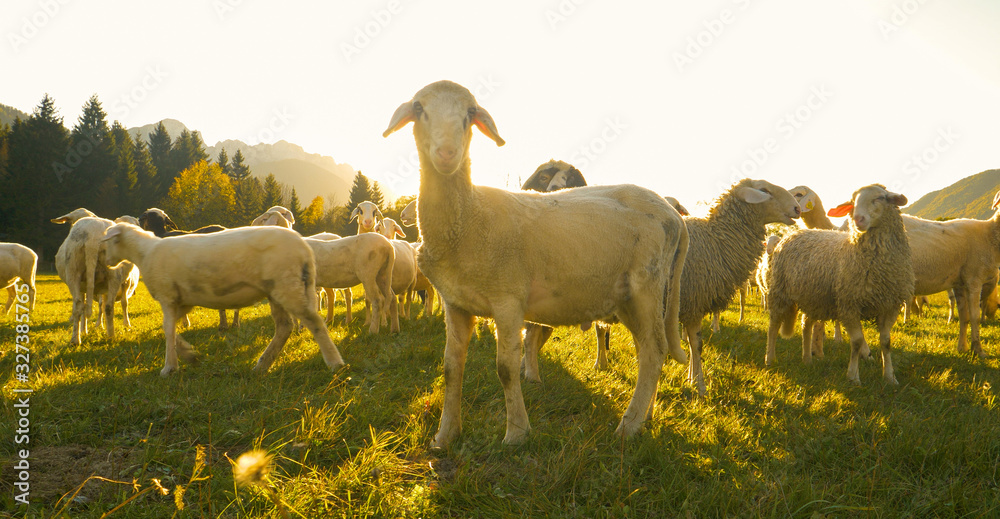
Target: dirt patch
[58,470]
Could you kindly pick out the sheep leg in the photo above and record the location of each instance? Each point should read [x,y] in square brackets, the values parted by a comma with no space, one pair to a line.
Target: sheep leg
[330,298]
[884,329]
[715,321]
[282,330]
[236,317]
[743,295]
[836,332]
[108,313]
[11,296]
[695,375]
[509,321]
[394,314]
[223,322]
[645,322]
[807,331]
[772,338]
[348,301]
[974,293]
[535,336]
[317,327]
[76,319]
[818,337]
[951,305]
[603,332]
[458,326]
[962,303]
[856,333]
[128,322]
[170,315]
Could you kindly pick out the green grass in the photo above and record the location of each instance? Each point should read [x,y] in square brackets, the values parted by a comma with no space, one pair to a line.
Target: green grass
[792,440]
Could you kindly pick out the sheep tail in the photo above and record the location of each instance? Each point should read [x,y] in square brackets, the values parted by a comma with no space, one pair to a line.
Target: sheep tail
[787,329]
[674,295]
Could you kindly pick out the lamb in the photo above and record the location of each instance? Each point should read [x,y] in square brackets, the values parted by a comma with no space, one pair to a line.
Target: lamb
[79,263]
[157,221]
[814,217]
[725,249]
[961,255]
[499,254]
[367,214]
[365,259]
[17,262]
[866,273]
[404,270]
[227,269]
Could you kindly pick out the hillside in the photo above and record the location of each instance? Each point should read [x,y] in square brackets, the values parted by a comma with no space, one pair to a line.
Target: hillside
[309,180]
[970,197]
[8,114]
[173,126]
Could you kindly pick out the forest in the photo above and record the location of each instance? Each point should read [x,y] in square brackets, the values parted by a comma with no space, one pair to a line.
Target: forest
[47,170]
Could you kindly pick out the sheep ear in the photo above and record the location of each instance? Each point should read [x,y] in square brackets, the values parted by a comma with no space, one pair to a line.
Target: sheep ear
[400,118]
[895,199]
[111,233]
[841,210]
[996,201]
[399,232]
[355,213]
[752,196]
[578,180]
[63,219]
[170,222]
[379,213]
[485,123]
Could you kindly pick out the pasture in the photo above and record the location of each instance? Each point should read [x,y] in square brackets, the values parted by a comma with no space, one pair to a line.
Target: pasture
[788,441]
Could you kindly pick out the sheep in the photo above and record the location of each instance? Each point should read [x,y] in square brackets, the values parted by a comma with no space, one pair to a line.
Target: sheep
[157,221]
[328,293]
[79,264]
[761,274]
[72,216]
[126,218]
[553,176]
[269,215]
[724,250]
[814,217]
[404,270]
[365,259]
[367,214]
[511,256]
[866,273]
[423,286]
[17,262]
[227,269]
[961,255]
[408,216]
[325,236]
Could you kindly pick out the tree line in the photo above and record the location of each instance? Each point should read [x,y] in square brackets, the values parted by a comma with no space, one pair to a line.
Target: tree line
[47,170]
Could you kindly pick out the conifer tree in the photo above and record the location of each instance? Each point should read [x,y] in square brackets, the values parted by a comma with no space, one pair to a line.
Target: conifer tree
[272,193]
[375,195]
[294,205]
[145,177]
[239,169]
[160,143]
[91,158]
[223,161]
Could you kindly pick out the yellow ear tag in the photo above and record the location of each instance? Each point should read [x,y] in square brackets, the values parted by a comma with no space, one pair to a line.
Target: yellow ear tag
[809,206]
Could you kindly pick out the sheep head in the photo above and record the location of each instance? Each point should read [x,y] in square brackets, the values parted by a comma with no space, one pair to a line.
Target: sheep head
[807,198]
[443,114]
[112,241]
[389,228]
[553,176]
[408,217]
[776,203]
[156,220]
[72,216]
[677,205]
[868,205]
[368,214]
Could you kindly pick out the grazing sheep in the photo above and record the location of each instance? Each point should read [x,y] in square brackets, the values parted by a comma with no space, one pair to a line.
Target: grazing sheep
[17,262]
[368,214]
[72,216]
[725,249]
[814,217]
[512,257]
[404,270]
[227,269]
[157,221]
[866,273]
[269,215]
[366,259]
[79,263]
[961,255]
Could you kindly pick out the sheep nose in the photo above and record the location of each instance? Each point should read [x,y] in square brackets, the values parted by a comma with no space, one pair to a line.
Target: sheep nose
[446,153]
[798,211]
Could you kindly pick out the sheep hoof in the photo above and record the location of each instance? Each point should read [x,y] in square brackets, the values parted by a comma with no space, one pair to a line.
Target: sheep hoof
[166,371]
[891,380]
[515,438]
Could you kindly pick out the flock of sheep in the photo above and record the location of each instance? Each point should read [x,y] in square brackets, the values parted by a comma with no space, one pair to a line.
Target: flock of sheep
[488,253]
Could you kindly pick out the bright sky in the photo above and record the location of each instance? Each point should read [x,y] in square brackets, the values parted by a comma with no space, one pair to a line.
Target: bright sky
[680,97]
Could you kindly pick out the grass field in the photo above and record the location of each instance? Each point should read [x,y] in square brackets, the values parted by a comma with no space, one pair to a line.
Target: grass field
[792,440]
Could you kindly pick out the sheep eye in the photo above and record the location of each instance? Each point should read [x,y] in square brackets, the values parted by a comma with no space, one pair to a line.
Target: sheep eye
[418,109]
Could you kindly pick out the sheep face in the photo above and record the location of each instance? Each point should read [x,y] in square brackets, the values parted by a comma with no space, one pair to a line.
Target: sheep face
[443,114]
[284,212]
[389,228]
[409,215]
[368,215]
[112,242]
[72,216]
[156,221]
[777,204]
[553,176]
[772,242]
[806,197]
[868,205]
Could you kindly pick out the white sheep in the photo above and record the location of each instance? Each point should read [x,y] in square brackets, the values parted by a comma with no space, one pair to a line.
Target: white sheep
[961,255]
[269,217]
[329,293]
[72,216]
[513,257]
[79,263]
[367,214]
[760,276]
[404,270]
[814,217]
[408,218]
[227,269]
[365,259]
[866,273]
[17,262]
